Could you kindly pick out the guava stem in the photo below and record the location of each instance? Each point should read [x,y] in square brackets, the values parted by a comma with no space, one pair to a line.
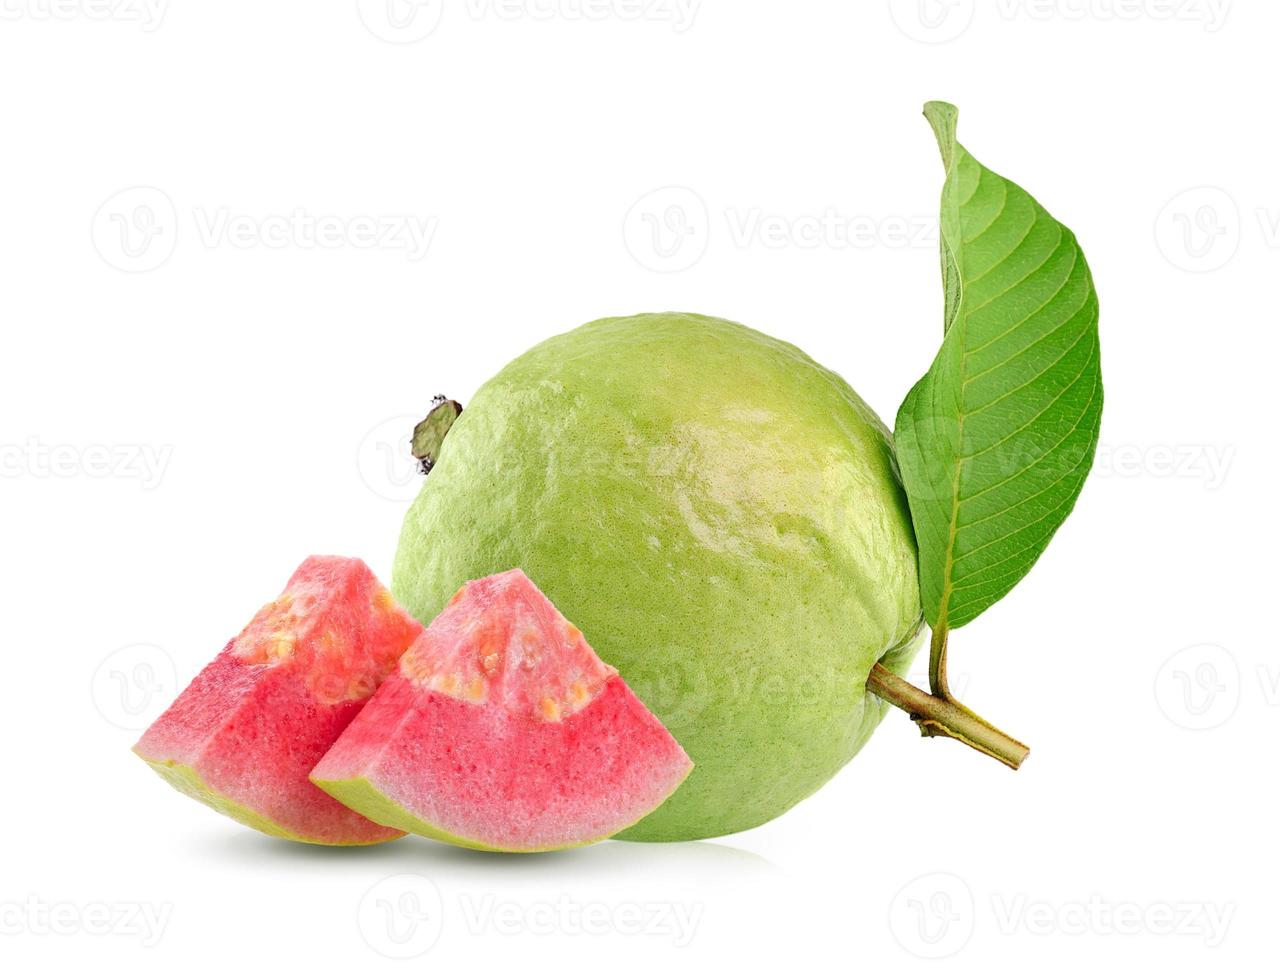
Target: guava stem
[947,717]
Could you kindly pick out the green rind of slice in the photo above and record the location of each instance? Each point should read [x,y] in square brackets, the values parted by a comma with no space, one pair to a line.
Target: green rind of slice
[186,780]
[361,795]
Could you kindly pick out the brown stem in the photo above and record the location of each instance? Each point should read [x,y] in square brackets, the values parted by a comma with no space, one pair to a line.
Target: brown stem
[945,716]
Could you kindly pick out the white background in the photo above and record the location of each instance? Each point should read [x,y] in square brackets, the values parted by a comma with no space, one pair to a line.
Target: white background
[200,388]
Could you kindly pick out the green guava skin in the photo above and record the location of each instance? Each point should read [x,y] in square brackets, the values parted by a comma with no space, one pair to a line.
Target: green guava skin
[723,519]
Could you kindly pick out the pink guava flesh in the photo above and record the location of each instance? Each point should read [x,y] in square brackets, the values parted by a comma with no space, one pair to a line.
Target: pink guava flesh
[246,733]
[503,730]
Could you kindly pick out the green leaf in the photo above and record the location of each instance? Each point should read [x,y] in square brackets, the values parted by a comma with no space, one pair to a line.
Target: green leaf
[996,440]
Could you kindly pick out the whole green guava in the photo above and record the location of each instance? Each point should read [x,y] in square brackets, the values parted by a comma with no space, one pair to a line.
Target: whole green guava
[722,518]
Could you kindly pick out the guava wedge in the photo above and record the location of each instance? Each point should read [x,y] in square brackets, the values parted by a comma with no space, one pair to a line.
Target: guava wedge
[502,730]
[245,734]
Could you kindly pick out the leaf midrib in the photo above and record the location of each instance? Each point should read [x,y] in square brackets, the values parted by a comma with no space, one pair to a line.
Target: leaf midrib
[944,595]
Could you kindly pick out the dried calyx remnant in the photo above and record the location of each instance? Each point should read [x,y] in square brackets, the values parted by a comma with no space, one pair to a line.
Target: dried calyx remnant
[428,435]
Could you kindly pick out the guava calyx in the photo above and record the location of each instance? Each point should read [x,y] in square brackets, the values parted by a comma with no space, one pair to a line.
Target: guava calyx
[428,435]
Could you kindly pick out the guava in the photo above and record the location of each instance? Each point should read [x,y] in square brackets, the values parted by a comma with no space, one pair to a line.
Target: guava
[720,514]
[244,736]
[502,730]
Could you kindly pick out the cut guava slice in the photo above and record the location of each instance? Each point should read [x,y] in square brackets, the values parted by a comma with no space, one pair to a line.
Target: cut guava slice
[246,733]
[502,730]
